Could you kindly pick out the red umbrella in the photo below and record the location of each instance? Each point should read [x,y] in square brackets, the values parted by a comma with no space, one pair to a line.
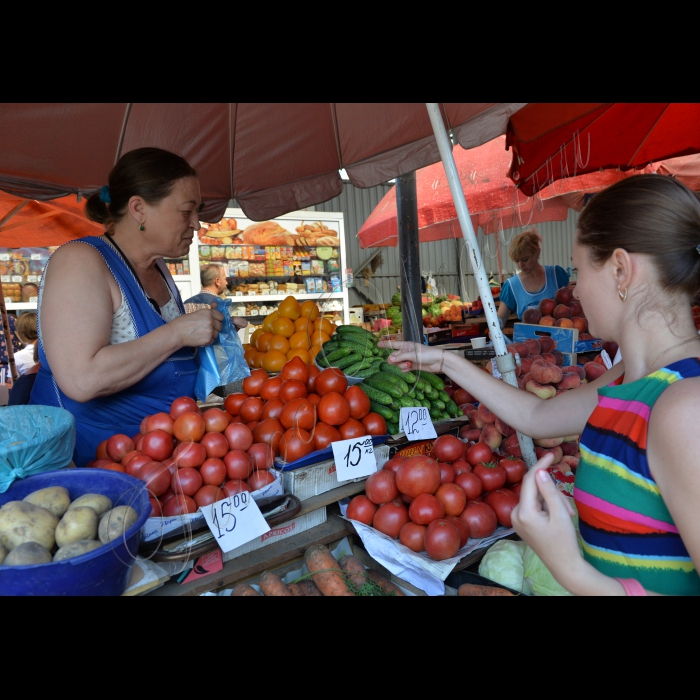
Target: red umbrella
[552,141]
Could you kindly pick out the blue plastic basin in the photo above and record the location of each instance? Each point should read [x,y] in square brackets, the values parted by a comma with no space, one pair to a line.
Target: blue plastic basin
[104,571]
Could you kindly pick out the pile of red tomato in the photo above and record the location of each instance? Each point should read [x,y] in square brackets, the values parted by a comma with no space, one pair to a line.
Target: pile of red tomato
[436,505]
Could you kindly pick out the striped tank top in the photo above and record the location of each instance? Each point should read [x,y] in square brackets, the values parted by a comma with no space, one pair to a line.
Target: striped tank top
[626,529]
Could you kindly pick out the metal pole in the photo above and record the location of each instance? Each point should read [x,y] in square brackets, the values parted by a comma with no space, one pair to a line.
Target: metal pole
[409,257]
[498,257]
[504,360]
[458,253]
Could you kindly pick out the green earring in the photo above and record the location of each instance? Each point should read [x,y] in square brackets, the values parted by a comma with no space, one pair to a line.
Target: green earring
[141,228]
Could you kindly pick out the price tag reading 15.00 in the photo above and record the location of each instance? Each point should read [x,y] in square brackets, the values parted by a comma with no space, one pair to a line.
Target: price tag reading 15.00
[354,458]
[417,424]
[235,520]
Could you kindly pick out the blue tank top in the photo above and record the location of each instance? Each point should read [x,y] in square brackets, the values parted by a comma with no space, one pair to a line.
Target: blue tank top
[102,417]
[517,298]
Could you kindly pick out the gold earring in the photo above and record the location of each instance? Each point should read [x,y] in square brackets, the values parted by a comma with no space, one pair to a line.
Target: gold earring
[623,295]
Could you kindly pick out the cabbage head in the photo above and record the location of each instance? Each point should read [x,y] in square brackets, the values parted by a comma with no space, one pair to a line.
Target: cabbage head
[503,563]
[538,578]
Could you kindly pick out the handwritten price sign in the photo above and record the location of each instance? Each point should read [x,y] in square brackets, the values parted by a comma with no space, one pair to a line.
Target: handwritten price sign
[354,458]
[235,521]
[417,424]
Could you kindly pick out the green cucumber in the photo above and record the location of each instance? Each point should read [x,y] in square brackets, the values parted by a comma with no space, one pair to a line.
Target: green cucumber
[445,416]
[420,395]
[443,396]
[436,403]
[356,330]
[411,394]
[383,411]
[453,409]
[430,392]
[394,379]
[377,382]
[432,379]
[359,347]
[357,367]
[364,373]
[336,355]
[392,428]
[376,395]
[435,414]
[393,369]
[348,361]
[420,384]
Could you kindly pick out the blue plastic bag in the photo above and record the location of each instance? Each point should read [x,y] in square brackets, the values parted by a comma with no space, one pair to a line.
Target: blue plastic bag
[34,439]
[222,362]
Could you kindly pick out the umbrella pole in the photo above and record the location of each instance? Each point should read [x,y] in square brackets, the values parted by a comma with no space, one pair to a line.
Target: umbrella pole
[504,360]
[409,257]
[498,258]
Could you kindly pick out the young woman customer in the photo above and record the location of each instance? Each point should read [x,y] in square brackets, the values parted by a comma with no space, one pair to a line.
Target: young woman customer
[637,488]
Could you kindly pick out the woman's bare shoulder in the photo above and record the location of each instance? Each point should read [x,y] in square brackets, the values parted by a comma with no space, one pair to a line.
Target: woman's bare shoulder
[77,251]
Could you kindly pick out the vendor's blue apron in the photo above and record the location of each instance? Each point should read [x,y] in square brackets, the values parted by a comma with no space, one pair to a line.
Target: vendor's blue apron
[100,418]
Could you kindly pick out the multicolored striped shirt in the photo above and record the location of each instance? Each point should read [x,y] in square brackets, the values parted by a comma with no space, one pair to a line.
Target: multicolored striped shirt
[625,526]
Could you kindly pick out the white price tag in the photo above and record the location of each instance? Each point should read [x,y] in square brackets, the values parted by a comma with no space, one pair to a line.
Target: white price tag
[32,278]
[5,278]
[235,520]
[17,278]
[36,256]
[354,458]
[4,256]
[417,424]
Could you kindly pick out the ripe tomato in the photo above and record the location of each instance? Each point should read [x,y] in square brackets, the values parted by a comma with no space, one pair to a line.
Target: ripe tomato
[252,425]
[441,540]
[417,475]
[166,496]
[142,427]
[324,435]
[361,509]
[471,484]
[333,409]
[262,455]
[156,476]
[480,518]
[272,409]
[118,445]
[311,383]
[215,444]
[315,399]
[447,448]
[231,488]
[233,402]
[158,421]
[179,505]
[189,426]
[492,476]
[127,457]
[297,370]
[271,388]
[239,464]
[114,467]
[462,528]
[269,432]
[331,380]
[208,494]
[183,405]
[215,420]
[390,518]
[189,454]
[358,402]
[157,444]
[101,452]
[412,536]
[352,429]
[461,466]
[296,444]
[380,487]
[394,463]
[259,479]
[213,472]
[253,384]
[479,452]
[133,468]
[239,436]
[251,409]
[156,508]
[515,469]
[452,497]
[447,473]
[502,501]
[374,424]
[516,488]
[186,480]
[298,413]
[424,509]
[292,389]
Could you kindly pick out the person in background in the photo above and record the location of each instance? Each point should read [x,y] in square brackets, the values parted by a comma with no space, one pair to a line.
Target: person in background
[26,332]
[16,344]
[22,388]
[534,282]
[214,284]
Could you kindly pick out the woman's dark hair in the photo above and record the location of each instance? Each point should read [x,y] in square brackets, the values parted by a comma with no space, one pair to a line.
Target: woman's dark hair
[650,214]
[150,173]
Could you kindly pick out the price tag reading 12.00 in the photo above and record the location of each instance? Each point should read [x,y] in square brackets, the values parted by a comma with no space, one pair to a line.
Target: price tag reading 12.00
[417,424]
[235,520]
[354,458]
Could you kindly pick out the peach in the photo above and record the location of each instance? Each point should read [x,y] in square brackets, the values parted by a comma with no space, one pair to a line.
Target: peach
[544,372]
[548,357]
[570,380]
[611,348]
[571,461]
[560,392]
[576,308]
[547,344]
[578,370]
[564,296]
[585,336]
[467,408]
[532,316]
[521,383]
[556,451]
[471,435]
[594,370]
[558,358]
[526,378]
[503,428]
[564,323]
[543,392]
[486,415]
[535,357]
[534,345]
[569,448]
[580,324]
[525,364]
[548,442]
[522,349]
[547,321]
[562,311]
[512,446]
[475,421]
[491,436]
[547,306]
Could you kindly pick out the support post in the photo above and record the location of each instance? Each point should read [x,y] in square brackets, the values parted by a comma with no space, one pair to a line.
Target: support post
[409,257]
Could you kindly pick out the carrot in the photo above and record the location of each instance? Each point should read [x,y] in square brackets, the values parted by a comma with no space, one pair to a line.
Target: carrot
[476,590]
[324,569]
[355,570]
[308,589]
[244,589]
[272,585]
[294,589]
[384,583]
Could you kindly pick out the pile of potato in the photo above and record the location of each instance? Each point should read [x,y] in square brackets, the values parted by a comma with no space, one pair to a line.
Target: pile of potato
[46,526]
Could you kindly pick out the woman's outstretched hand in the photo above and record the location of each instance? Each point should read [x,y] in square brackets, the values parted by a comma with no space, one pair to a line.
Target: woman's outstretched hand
[409,356]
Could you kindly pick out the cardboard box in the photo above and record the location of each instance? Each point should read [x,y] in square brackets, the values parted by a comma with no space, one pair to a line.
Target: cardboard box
[565,338]
[460,330]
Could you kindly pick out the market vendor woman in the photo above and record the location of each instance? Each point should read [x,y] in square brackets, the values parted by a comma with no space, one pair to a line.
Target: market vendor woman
[637,487]
[534,282]
[114,341]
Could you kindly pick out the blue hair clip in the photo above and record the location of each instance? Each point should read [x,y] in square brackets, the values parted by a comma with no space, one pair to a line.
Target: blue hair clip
[104,195]
[698,249]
